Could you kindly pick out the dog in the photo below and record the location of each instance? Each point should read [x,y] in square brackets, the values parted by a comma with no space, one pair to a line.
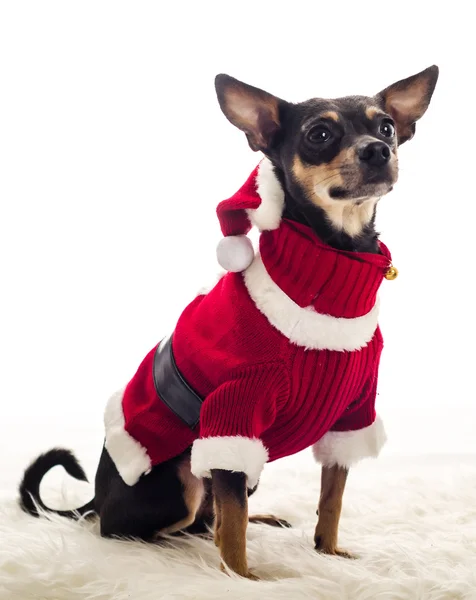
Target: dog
[282,353]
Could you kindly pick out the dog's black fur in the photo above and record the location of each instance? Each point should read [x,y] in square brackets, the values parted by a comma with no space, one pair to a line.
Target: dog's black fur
[334,159]
[140,511]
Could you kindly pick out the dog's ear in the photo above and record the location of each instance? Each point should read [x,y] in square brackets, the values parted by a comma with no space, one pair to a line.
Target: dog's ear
[252,110]
[408,99]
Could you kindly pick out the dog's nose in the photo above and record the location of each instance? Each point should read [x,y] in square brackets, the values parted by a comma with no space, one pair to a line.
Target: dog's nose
[376,154]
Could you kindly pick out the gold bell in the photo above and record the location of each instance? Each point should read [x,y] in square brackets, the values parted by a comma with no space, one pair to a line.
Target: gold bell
[392,273]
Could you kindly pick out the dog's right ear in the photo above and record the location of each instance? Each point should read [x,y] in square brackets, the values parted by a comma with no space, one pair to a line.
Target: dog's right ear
[252,110]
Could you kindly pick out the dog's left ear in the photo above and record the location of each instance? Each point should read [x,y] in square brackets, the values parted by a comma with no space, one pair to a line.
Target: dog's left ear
[254,111]
[407,100]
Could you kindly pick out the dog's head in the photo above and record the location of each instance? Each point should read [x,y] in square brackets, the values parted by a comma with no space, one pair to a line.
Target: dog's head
[332,153]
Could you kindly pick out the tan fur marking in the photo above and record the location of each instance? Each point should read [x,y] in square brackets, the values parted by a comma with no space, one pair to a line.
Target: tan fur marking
[271,520]
[317,179]
[178,526]
[194,490]
[232,540]
[217,522]
[372,111]
[341,171]
[232,536]
[330,114]
[351,217]
[230,526]
[333,481]
[193,494]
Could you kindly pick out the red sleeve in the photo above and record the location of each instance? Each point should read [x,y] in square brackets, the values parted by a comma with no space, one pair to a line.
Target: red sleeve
[358,434]
[360,413]
[233,418]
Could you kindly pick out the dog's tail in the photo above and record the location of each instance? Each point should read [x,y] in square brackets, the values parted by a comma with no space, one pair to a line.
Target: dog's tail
[30,498]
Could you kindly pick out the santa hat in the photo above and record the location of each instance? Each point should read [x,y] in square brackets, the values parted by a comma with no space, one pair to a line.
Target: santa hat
[259,202]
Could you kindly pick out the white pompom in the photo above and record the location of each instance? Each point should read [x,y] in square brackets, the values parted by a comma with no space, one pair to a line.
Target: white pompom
[235,253]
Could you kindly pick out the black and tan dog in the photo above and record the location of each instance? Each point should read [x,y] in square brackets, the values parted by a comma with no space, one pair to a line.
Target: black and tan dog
[334,160]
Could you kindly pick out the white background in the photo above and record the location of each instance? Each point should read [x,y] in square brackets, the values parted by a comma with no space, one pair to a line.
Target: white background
[114,154]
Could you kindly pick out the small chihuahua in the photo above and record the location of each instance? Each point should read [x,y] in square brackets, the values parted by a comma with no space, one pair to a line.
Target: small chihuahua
[282,353]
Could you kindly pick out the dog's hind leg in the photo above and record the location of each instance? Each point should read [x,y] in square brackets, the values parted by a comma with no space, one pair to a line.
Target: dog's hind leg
[205,516]
[193,497]
[163,501]
[269,520]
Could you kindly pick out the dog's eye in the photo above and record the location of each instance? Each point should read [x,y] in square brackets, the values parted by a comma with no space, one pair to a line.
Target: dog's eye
[319,134]
[387,129]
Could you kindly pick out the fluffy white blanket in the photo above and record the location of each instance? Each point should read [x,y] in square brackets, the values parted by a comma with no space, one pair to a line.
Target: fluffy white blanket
[412,522]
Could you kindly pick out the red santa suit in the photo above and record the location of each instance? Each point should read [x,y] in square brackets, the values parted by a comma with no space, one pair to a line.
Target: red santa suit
[284,355]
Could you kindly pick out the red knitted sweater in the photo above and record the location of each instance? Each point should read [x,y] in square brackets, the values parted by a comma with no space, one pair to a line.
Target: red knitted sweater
[282,354]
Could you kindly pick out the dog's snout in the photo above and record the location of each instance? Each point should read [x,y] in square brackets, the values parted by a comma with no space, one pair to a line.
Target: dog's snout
[376,154]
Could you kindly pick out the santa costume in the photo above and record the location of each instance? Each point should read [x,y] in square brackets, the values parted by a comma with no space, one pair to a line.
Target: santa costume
[282,354]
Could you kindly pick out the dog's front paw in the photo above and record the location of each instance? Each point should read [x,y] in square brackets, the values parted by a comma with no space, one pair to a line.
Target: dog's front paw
[252,576]
[338,552]
[247,574]
[331,549]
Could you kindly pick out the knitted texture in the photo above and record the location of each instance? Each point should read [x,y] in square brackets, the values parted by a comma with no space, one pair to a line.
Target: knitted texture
[333,282]
[256,383]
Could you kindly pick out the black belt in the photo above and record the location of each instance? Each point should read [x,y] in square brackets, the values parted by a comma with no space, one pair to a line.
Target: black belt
[172,388]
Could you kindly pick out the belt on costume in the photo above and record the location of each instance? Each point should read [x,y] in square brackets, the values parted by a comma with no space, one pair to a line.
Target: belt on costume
[172,388]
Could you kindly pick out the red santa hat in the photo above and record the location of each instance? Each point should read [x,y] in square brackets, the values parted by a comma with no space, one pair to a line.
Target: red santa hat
[259,202]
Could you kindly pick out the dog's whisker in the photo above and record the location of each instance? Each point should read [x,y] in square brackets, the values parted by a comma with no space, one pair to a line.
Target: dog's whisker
[329,177]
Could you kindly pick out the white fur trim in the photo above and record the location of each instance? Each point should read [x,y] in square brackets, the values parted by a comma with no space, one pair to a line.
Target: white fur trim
[232,453]
[268,214]
[304,326]
[130,457]
[345,448]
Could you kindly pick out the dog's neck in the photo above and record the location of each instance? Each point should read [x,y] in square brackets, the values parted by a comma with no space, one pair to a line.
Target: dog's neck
[334,230]
[314,274]
[345,227]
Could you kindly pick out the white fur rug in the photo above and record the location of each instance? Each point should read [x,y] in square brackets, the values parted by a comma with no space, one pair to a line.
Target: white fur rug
[412,523]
